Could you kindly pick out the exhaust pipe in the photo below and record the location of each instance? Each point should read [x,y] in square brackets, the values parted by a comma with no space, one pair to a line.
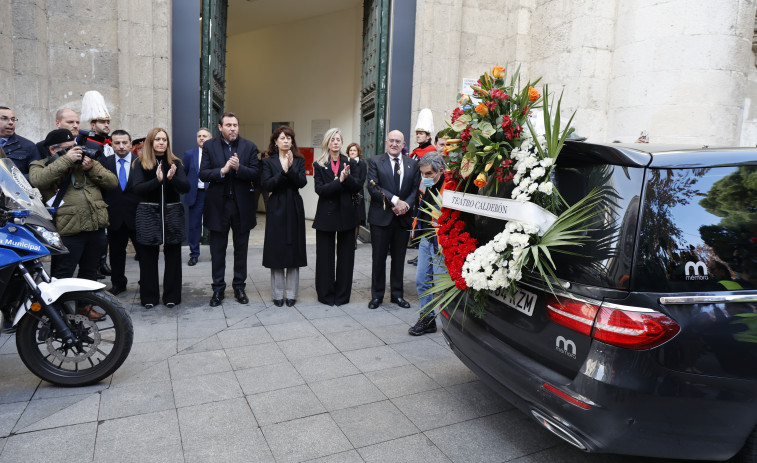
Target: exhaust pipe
[558,429]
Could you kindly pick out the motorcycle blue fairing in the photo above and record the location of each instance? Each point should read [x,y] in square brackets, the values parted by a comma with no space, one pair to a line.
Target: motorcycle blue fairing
[27,246]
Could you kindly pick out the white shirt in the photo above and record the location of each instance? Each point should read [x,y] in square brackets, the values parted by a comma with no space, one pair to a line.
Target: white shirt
[200,183]
[127,165]
[395,198]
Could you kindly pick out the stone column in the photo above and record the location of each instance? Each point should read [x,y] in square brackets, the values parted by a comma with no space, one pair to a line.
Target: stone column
[680,71]
[569,45]
[144,39]
[29,91]
[436,72]
[6,54]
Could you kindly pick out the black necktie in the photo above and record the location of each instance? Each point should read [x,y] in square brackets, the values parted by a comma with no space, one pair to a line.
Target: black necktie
[397,175]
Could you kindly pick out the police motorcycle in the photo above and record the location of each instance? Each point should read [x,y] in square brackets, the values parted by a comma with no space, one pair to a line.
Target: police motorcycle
[70,331]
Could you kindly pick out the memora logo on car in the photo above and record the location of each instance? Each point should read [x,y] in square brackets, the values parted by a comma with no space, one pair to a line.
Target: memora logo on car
[565,346]
[695,271]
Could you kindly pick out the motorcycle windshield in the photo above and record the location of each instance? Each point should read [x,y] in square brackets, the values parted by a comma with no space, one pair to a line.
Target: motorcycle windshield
[18,195]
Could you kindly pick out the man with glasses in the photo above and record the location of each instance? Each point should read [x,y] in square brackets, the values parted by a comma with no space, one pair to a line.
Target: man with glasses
[20,150]
[393,181]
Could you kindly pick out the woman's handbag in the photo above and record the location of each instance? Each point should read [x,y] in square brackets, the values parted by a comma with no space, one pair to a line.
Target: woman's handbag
[148,224]
[175,226]
[357,198]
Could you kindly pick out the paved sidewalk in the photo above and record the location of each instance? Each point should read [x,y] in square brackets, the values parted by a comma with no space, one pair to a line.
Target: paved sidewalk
[258,383]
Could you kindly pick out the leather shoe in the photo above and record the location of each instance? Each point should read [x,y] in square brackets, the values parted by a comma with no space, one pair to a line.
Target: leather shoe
[290,302]
[375,302]
[215,301]
[278,302]
[192,261]
[104,268]
[240,296]
[413,261]
[91,313]
[117,289]
[401,302]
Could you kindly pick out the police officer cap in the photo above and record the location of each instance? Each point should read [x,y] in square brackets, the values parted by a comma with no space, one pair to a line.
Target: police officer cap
[58,136]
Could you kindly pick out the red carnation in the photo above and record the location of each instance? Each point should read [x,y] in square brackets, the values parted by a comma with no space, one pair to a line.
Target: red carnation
[456,113]
[465,135]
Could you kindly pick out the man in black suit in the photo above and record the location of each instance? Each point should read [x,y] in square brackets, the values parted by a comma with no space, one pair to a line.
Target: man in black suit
[230,165]
[195,199]
[122,209]
[397,178]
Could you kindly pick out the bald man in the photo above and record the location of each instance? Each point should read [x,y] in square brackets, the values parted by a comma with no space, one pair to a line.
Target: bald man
[393,181]
[64,119]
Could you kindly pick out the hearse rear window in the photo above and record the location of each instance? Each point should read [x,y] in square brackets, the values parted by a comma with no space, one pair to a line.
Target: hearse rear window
[605,260]
[698,230]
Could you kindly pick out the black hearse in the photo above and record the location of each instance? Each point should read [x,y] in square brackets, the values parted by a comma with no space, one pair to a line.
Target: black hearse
[647,343]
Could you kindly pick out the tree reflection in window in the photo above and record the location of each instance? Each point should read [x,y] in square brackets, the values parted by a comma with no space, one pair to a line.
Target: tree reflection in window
[734,239]
[661,240]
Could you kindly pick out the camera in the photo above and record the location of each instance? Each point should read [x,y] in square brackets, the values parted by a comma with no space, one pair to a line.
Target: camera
[85,152]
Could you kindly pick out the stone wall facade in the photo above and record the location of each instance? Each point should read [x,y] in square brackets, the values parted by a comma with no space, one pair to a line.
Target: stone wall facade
[52,51]
[684,71]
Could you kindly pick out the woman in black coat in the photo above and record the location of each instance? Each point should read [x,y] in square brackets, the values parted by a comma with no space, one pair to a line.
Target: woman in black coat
[159,178]
[335,220]
[284,246]
[359,170]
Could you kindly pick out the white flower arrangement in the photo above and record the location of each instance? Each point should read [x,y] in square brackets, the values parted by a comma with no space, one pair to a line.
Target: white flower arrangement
[498,263]
[532,173]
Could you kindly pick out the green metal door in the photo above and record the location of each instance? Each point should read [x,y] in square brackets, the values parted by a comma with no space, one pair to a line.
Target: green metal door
[374,76]
[213,65]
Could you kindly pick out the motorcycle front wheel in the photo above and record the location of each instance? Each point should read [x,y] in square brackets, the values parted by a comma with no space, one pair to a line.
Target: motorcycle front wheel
[103,333]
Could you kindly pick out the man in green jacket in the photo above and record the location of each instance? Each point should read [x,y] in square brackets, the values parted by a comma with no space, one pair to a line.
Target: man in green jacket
[82,214]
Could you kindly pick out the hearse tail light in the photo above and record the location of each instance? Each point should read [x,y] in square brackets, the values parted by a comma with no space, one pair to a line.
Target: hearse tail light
[571,313]
[618,325]
[633,327]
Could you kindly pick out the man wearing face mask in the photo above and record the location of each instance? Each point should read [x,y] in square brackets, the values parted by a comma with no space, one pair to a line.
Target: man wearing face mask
[431,166]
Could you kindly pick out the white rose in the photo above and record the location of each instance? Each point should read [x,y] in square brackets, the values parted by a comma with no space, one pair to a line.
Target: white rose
[546,188]
[546,162]
[538,172]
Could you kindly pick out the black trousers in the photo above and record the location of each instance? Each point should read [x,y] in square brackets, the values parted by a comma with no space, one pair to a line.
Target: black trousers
[397,235]
[333,291]
[118,239]
[219,240]
[84,250]
[149,291]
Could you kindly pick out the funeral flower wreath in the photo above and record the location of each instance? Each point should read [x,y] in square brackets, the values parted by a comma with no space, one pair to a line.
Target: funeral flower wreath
[496,151]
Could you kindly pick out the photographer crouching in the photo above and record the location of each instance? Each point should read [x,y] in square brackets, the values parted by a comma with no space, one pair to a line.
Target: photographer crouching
[70,180]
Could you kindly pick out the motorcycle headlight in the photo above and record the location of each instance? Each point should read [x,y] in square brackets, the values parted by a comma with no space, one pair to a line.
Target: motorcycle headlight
[52,238]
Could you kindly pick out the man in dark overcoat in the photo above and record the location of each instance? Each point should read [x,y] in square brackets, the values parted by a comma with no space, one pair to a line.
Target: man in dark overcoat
[230,165]
[396,179]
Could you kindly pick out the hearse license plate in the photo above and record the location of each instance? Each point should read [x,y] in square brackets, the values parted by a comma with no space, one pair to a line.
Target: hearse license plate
[522,301]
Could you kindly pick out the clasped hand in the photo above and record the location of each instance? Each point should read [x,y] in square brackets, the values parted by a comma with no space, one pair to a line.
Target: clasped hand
[232,163]
[401,208]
